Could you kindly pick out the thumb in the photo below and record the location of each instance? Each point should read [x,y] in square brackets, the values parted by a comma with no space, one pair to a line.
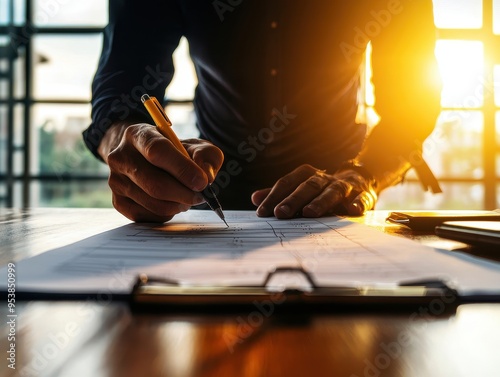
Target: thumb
[206,155]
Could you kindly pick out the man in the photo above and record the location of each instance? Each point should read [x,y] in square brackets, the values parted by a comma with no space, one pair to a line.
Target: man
[277,101]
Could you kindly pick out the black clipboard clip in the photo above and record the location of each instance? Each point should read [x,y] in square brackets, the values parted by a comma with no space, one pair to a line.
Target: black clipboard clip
[169,294]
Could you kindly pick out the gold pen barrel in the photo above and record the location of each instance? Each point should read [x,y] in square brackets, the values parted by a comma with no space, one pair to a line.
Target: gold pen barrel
[162,122]
[164,125]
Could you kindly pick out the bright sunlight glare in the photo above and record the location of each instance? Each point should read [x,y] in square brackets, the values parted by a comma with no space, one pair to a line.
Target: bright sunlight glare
[461,65]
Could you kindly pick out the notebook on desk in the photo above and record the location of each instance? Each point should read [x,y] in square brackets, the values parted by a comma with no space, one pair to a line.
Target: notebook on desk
[479,233]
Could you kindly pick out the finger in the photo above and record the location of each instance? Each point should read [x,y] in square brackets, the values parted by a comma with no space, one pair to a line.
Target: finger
[150,179]
[206,155]
[283,188]
[303,195]
[328,200]
[160,152]
[123,187]
[259,196]
[365,201]
[135,212]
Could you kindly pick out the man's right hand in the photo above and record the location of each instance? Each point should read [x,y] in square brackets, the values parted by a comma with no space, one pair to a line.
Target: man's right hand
[150,179]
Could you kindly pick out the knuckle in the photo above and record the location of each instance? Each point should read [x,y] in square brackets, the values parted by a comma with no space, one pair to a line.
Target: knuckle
[142,136]
[118,186]
[306,168]
[315,183]
[150,146]
[113,182]
[295,197]
[283,182]
[115,200]
[184,172]
[132,132]
[343,186]
[114,158]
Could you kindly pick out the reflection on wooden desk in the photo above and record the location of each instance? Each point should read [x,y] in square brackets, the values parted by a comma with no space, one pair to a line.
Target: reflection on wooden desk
[103,338]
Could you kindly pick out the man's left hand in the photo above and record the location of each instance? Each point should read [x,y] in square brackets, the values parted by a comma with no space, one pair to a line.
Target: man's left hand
[310,192]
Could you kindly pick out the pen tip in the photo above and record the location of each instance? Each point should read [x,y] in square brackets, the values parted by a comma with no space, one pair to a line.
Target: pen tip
[145,97]
[221,215]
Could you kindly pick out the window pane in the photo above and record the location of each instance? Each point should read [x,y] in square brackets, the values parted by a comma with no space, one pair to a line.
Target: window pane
[4,11]
[19,77]
[57,146]
[18,11]
[17,195]
[458,14]
[411,196]
[461,64]
[3,139]
[18,160]
[454,150]
[65,65]
[70,13]
[71,194]
[496,16]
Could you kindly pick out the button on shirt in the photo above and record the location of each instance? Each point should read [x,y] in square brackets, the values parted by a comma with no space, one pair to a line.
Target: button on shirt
[278,81]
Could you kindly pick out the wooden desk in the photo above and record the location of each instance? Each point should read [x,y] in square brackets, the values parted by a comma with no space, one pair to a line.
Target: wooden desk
[100,338]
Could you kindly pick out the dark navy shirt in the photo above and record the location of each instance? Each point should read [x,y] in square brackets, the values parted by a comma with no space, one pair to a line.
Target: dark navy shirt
[278,80]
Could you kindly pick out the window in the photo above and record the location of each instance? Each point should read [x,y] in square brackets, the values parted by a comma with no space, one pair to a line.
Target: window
[49,51]
[464,149]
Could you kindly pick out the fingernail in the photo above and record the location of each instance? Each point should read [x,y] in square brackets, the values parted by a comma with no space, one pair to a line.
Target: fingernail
[357,208]
[312,209]
[284,209]
[262,211]
[198,183]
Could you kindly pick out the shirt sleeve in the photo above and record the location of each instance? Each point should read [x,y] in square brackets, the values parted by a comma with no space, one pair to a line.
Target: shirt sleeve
[407,86]
[136,59]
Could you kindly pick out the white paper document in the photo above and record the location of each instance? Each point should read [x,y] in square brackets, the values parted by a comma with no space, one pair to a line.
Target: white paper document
[196,248]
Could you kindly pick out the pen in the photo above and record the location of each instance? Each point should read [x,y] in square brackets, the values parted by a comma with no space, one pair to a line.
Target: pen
[164,125]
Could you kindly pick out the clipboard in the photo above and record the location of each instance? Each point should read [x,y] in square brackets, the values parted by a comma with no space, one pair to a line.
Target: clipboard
[157,294]
[428,220]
